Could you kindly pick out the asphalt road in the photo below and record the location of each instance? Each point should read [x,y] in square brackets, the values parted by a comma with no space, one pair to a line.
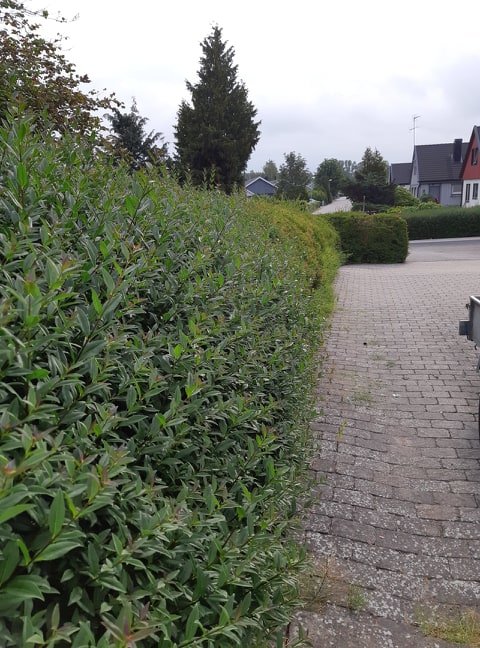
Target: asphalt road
[458,249]
[339,204]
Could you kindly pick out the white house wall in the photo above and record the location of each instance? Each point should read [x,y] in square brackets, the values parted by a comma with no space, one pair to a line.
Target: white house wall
[471,202]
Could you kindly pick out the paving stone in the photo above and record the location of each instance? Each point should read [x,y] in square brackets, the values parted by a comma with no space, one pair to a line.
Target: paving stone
[468,530]
[377,519]
[335,509]
[317,522]
[454,499]
[397,506]
[354,530]
[469,514]
[445,474]
[336,627]
[419,527]
[436,512]
[465,569]
[472,487]
[414,495]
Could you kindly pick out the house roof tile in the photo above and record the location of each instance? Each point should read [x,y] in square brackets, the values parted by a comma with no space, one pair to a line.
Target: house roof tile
[436,164]
[401,173]
[264,180]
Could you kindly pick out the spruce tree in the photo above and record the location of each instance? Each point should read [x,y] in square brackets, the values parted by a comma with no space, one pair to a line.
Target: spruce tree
[131,142]
[370,182]
[216,132]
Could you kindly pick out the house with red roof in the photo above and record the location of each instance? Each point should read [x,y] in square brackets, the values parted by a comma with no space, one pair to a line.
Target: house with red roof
[470,172]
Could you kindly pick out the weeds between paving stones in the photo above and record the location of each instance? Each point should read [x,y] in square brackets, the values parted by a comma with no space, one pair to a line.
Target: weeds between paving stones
[326,583]
[340,434]
[462,628]
[356,599]
[361,397]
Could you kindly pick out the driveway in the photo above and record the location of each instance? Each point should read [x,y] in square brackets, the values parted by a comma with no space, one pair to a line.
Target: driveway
[394,531]
[457,249]
[339,204]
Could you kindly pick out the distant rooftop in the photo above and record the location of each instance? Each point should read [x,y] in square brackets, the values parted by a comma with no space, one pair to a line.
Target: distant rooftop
[401,173]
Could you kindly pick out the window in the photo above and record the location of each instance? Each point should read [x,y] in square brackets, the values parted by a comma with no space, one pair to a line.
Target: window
[467,192]
[456,188]
[475,191]
[474,158]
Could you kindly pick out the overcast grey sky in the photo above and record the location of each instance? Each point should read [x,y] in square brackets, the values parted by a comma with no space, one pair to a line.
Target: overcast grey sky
[328,78]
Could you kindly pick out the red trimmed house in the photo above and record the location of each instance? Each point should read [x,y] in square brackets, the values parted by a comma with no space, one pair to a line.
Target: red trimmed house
[470,172]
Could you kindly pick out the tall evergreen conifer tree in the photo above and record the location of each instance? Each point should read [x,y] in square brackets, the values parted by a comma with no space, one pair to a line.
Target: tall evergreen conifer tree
[370,182]
[217,132]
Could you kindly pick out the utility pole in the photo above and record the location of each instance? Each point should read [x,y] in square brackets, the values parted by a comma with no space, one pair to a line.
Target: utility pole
[414,129]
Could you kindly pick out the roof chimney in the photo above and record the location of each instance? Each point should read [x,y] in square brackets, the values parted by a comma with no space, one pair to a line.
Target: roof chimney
[457,150]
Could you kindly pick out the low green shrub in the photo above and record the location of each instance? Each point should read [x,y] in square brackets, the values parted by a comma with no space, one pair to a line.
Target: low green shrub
[369,208]
[410,209]
[404,198]
[320,195]
[313,205]
[157,347]
[442,222]
[371,238]
[427,198]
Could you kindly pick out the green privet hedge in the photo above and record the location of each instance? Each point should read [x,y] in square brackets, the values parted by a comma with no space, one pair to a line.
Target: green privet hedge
[371,238]
[369,208]
[156,347]
[443,222]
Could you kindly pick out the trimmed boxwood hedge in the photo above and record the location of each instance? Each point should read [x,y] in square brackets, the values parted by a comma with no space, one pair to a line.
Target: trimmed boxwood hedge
[371,238]
[443,222]
[157,354]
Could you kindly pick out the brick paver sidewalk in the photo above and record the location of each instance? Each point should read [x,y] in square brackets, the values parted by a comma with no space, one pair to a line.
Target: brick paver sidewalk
[395,530]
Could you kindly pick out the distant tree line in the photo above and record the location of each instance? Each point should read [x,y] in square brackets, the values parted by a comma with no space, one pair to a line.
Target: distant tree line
[366,182]
[295,181]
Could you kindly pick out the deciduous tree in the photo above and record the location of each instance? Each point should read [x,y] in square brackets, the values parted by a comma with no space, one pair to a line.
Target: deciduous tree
[270,170]
[329,176]
[293,177]
[36,75]
[216,133]
[349,167]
